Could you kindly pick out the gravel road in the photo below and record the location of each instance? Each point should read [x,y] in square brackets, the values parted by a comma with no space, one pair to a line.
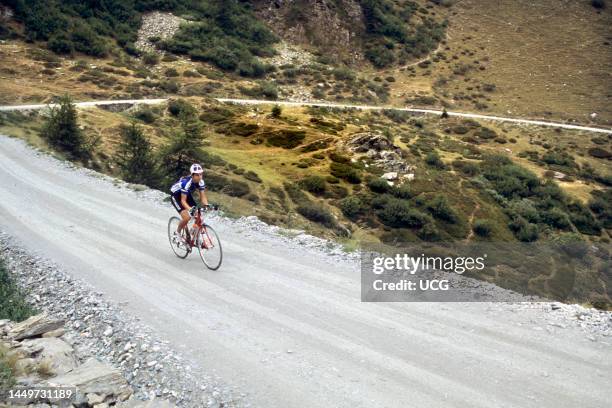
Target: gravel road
[283,322]
[520,121]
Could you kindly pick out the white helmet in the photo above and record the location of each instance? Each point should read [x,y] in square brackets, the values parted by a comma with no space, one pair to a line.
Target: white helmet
[196,169]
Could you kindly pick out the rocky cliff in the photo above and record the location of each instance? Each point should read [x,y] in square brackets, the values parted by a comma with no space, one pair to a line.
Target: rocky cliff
[335,27]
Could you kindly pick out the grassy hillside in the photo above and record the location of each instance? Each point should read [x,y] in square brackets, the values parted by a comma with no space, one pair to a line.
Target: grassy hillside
[459,180]
[547,60]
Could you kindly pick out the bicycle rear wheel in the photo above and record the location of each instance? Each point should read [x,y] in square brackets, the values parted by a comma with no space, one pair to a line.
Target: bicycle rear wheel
[179,248]
[209,246]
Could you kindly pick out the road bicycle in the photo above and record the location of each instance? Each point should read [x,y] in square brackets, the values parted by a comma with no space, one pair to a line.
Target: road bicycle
[197,234]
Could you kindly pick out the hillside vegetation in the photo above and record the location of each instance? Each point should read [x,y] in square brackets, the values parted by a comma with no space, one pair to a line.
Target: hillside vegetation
[357,176]
[322,170]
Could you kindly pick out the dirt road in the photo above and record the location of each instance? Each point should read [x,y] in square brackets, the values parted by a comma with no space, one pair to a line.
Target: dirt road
[334,105]
[286,326]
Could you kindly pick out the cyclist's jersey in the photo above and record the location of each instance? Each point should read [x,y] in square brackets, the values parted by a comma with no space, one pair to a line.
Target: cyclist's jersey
[186,185]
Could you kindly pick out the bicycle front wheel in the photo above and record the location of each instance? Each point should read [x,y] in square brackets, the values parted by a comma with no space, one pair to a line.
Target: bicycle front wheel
[209,246]
[178,246]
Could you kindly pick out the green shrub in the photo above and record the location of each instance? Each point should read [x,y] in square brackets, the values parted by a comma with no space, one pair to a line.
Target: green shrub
[171,86]
[556,218]
[599,153]
[276,111]
[252,176]
[558,158]
[135,157]
[226,34]
[332,180]
[190,74]
[509,180]
[482,228]
[485,133]
[316,213]
[343,74]
[240,129]
[379,185]
[438,207]
[460,129]
[178,107]
[13,305]
[236,188]
[468,168]
[398,213]
[145,114]
[433,159]
[429,232]
[171,72]
[313,184]
[526,209]
[523,230]
[404,192]
[286,138]
[267,90]
[60,44]
[62,132]
[583,220]
[252,69]
[346,172]
[339,158]
[215,114]
[295,193]
[352,207]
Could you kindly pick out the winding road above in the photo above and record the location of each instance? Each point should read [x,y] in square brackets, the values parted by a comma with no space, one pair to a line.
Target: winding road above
[561,125]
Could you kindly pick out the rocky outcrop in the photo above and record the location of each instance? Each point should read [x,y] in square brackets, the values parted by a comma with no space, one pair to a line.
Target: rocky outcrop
[381,151]
[41,358]
[334,26]
[98,381]
[34,326]
[156,24]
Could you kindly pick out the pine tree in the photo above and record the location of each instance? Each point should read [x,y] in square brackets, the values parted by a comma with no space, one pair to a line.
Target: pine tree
[135,157]
[61,130]
[183,150]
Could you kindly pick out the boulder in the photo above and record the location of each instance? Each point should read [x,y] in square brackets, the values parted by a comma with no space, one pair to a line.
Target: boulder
[390,176]
[94,377]
[362,142]
[55,333]
[34,327]
[59,353]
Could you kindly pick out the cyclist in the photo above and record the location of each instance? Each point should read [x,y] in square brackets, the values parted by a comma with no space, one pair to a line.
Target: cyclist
[182,199]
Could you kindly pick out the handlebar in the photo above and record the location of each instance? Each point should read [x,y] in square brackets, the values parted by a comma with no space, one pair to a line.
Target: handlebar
[204,208]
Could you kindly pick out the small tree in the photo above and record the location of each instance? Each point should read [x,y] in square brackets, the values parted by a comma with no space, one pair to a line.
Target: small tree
[135,157]
[61,130]
[183,150]
[277,111]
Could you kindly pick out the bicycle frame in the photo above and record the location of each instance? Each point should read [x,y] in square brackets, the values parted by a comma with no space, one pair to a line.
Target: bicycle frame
[198,227]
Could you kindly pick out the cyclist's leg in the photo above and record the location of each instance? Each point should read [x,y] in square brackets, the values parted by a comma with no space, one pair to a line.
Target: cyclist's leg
[175,199]
[185,217]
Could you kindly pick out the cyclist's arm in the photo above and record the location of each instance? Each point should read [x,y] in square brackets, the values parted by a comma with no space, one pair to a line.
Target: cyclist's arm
[203,198]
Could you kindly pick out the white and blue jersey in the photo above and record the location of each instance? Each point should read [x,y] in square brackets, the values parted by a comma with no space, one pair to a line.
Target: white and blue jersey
[186,186]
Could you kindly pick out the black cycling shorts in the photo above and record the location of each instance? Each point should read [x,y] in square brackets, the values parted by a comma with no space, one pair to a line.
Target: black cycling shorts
[176,201]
